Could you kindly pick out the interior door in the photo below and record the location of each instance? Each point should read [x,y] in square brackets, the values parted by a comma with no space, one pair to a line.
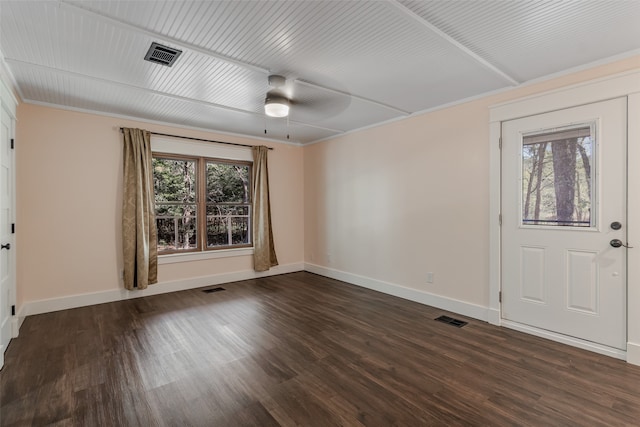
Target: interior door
[564,195]
[7,271]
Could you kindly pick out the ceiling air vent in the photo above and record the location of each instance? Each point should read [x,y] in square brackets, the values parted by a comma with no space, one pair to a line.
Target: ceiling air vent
[160,54]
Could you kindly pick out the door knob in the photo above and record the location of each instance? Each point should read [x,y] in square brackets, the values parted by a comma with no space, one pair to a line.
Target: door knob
[7,246]
[616,225]
[616,243]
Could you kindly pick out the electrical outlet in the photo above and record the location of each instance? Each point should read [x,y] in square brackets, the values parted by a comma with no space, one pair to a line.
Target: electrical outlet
[430,277]
[121,274]
[328,258]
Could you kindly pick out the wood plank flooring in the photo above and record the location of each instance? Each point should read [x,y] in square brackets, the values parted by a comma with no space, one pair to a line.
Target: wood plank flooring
[299,349]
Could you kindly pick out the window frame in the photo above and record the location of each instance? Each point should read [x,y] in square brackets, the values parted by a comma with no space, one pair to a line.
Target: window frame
[204,161]
[594,195]
[201,202]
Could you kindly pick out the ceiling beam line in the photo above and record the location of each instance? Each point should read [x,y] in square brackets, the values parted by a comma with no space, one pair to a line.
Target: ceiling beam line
[157,92]
[361,98]
[6,71]
[169,39]
[213,54]
[124,85]
[460,46]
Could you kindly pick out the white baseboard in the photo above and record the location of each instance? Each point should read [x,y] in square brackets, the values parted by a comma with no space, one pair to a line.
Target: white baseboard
[5,329]
[16,322]
[633,353]
[444,303]
[30,308]
[564,339]
[494,316]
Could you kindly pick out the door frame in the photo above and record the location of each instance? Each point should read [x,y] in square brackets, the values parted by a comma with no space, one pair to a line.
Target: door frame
[9,103]
[617,86]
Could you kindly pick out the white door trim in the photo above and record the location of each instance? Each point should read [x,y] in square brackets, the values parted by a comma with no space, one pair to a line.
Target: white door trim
[633,212]
[8,105]
[620,85]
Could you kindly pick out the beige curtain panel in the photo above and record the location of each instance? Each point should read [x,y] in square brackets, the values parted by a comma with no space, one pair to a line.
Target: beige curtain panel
[264,253]
[139,234]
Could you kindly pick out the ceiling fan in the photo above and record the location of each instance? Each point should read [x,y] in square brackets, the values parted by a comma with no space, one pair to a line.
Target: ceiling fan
[312,102]
[276,104]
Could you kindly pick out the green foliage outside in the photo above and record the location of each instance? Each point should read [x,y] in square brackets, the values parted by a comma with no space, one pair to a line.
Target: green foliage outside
[227,196]
[227,183]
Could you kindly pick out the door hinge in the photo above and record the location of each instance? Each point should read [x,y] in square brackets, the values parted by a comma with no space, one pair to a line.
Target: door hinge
[499,219]
[13,310]
[13,228]
[13,143]
[500,143]
[500,296]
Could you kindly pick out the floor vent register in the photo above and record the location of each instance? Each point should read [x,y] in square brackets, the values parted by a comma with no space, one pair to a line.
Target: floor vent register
[210,290]
[451,321]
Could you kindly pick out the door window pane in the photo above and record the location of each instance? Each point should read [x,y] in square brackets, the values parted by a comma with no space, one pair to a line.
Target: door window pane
[557,177]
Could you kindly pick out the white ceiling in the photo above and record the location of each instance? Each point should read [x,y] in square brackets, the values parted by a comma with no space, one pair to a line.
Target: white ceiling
[348,64]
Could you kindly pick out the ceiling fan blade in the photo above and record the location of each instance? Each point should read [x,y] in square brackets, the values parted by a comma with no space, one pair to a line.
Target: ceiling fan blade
[312,103]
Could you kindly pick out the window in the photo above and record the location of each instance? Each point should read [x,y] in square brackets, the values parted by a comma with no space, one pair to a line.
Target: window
[201,203]
[557,177]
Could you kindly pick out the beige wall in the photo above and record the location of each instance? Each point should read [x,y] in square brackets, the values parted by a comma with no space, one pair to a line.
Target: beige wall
[69,191]
[394,202]
[389,203]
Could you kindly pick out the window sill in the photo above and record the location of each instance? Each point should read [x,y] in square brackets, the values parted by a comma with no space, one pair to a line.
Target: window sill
[199,256]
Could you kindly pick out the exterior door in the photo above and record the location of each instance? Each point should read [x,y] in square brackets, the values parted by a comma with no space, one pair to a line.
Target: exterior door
[564,222]
[7,270]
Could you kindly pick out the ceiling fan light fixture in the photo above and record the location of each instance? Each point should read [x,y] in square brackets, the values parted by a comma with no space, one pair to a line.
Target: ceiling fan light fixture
[277,81]
[276,106]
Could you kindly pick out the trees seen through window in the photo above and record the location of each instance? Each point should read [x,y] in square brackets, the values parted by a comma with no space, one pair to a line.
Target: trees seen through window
[201,203]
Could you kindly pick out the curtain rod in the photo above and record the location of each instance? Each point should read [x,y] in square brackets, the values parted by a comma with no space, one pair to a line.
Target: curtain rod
[200,139]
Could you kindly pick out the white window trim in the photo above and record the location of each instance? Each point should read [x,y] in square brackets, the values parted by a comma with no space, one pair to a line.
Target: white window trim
[204,255]
[168,145]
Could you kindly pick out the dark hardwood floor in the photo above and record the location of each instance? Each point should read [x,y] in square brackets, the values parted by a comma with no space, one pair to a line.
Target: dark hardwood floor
[299,349]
